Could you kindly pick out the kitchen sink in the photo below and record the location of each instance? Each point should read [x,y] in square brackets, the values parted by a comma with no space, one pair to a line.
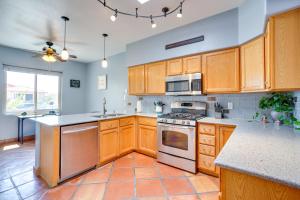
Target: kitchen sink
[108,115]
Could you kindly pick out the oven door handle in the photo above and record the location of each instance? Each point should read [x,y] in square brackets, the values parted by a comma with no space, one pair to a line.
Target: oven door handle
[170,126]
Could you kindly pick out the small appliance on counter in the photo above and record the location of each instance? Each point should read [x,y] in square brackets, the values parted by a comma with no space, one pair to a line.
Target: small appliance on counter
[139,107]
[177,135]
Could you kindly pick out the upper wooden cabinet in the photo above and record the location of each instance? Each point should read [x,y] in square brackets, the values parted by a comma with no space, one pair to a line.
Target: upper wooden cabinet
[253,66]
[192,64]
[174,67]
[283,51]
[136,80]
[155,78]
[221,71]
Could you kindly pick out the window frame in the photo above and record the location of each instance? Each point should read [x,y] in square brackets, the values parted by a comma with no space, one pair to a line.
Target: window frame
[35,72]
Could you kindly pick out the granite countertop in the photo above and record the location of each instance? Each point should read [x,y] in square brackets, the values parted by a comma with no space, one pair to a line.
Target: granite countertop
[63,120]
[264,150]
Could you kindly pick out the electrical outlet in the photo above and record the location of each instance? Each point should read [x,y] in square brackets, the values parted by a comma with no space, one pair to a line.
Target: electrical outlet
[230,105]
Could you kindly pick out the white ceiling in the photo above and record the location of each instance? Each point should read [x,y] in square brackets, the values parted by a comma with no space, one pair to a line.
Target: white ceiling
[27,24]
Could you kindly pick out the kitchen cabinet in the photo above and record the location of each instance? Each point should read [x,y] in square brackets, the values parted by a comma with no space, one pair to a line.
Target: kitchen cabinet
[211,139]
[174,67]
[253,66]
[147,136]
[192,64]
[155,78]
[225,133]
[221,71]
[108,144]
[136,80]
[283,51]
[127,139]
[236,185]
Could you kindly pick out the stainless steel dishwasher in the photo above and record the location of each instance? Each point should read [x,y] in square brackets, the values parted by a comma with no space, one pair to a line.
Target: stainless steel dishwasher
[78,149]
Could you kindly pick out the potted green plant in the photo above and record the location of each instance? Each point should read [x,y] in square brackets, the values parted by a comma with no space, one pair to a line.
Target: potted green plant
[281,105]
[297,125]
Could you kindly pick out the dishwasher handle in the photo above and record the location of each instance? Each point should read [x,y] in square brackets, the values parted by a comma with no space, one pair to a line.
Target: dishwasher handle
[79,130]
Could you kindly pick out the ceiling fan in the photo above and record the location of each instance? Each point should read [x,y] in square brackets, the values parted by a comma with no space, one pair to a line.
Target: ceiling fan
[49,54]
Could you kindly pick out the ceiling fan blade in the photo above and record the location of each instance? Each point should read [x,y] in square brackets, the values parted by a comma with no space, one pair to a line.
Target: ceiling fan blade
[59,58]
[73,56]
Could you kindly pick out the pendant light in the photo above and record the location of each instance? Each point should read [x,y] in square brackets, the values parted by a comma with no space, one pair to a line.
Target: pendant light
[104,62]
[64,53]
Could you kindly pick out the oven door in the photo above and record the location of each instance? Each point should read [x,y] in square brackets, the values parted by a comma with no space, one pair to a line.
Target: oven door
[177,140]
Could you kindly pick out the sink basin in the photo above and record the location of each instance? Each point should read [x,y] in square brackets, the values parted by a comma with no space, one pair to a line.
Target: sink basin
[108,115]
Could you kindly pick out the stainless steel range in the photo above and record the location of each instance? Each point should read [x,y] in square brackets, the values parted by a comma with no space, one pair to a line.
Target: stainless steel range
[177,135]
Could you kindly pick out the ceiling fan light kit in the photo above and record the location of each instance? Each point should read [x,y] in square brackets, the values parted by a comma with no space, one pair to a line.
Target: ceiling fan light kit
[165,12]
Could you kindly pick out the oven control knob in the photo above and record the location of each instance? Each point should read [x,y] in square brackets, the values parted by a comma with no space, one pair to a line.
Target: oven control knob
[174,121]
[183,122]
[188,123]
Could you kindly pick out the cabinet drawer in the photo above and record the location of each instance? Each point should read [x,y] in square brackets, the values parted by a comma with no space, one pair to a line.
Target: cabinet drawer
[148,121]
[206,162]
[126,121]
[207,129]
[207,150]
[105,125]
[207,139]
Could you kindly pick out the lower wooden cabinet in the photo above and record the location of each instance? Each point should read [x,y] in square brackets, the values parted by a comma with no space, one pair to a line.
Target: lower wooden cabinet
[211,139]
[147,139]
[121,136]
[225,133]
[108,144]
[126,139]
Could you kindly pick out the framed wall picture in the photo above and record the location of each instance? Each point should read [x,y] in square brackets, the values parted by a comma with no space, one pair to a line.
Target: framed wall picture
[102,82]
[75,83]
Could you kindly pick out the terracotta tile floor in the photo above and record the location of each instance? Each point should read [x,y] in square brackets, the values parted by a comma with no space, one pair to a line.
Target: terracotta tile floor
[132,177]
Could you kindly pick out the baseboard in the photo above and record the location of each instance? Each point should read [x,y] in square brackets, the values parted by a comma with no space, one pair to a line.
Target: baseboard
[13,140]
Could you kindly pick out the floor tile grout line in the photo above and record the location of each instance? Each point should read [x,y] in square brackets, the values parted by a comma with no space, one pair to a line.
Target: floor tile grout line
[16,188]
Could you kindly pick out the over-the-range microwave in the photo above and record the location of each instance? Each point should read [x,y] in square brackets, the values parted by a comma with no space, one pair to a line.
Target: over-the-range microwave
[184,85]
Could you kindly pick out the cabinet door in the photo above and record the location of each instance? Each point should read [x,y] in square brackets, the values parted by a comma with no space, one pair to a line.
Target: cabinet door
[285,50]
[192,64]
[126,138]
[221,71]
[136,80]
[155,78]
[225,133]
[147,139]
[174,67]
[108,145]
[253,65]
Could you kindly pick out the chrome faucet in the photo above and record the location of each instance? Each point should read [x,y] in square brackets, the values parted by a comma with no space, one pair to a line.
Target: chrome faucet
[104,106]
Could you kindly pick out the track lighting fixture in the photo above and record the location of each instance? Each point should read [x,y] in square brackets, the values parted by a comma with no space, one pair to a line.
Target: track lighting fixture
[153,25]
[165,12]
[179,15]
[114,17]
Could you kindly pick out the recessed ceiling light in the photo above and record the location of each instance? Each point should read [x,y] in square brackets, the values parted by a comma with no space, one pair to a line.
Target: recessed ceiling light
[143,1]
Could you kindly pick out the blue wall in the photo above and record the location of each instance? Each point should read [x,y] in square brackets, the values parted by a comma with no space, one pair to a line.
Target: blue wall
[252,19]
[276,6]
[73,100]
[220,31]
[116,92]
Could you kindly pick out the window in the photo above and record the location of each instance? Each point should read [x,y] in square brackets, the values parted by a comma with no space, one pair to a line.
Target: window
[31,91]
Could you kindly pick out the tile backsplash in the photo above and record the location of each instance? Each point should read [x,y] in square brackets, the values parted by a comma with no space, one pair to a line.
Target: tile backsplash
[244,105]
